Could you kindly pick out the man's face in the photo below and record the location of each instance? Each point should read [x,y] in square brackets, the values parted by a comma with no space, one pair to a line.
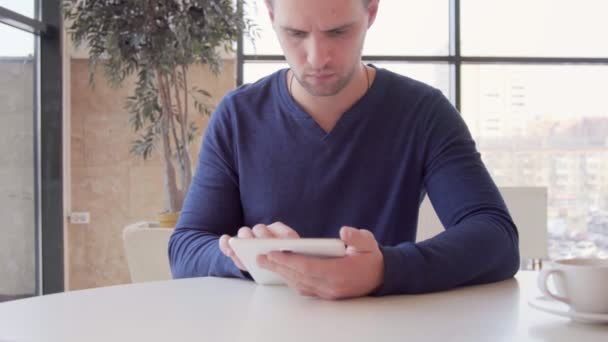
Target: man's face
[322,40]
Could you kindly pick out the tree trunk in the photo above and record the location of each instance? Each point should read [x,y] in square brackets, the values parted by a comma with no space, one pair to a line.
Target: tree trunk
[172,193]
[186,162]
[176,141]
[188,166]
[181,139]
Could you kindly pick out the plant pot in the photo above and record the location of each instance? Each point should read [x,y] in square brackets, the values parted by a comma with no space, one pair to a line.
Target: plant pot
[168,220]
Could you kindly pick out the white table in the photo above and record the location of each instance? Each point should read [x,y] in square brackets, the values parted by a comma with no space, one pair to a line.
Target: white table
[212,309]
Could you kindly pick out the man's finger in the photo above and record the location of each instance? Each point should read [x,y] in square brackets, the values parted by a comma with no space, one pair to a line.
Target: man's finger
[358,240]
[289,274]
[224,245]
[261,231]
[317,283]
[302,289]
[307,266]
[305,285]
[245,233]
[229,252]
[283,231]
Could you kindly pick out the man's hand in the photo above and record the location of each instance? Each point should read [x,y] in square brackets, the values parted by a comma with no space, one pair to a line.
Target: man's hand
[357,274]
[276,230]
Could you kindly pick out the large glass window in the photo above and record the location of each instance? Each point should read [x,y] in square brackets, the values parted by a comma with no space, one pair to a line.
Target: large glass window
[17,164]
[31,198]
[265,43]
[253,71]
[547,125]
[529,78]
[23,7]
[410,27]
[539,28]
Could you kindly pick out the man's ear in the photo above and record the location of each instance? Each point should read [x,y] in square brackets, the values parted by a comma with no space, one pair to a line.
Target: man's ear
[372,9]
[270,10]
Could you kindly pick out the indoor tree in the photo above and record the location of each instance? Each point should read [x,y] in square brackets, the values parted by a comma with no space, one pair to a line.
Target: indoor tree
[157,41]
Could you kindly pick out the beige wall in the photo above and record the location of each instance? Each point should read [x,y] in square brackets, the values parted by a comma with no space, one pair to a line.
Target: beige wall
[115,187]
[17,232]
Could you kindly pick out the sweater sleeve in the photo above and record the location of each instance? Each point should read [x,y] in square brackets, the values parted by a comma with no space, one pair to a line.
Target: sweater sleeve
[480,241]
[212,206]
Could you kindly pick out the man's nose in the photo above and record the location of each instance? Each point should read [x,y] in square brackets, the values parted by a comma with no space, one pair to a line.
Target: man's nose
[319,52]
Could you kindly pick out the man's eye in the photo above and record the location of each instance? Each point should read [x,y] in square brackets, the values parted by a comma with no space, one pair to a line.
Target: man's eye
[337,32]
[296,34]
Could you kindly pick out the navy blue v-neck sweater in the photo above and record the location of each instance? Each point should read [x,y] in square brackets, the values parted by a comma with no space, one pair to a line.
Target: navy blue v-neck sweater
[264,159]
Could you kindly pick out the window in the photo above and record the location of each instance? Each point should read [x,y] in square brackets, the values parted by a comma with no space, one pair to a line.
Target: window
[23,7]
[31,254]
[423,32]
[546,125]
[529,79]
[253,71]
[539,28]
[17,162]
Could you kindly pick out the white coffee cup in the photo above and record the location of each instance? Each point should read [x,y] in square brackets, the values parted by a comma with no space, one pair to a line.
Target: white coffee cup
[580,282]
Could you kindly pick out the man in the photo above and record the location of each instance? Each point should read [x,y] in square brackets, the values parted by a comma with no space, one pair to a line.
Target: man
[332,147]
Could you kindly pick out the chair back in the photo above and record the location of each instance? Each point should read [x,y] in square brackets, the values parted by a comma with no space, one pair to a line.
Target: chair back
[145,246]
[528,208]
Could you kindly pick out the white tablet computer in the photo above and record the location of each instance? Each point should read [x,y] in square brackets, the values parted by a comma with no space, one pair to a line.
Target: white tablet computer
[248,249]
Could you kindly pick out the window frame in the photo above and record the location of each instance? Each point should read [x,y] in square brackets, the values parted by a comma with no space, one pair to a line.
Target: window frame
[48,134]
[455,59]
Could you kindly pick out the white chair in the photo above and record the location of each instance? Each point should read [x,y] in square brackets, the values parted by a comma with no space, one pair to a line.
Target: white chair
[528,208]
[145,246]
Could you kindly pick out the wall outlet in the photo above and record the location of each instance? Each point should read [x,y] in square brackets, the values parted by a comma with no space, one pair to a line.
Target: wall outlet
[80,217]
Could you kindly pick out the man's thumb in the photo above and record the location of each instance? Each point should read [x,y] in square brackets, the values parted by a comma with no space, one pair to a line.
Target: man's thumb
[359,240]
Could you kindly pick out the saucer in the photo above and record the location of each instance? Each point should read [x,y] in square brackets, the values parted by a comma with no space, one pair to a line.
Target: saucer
[562,309]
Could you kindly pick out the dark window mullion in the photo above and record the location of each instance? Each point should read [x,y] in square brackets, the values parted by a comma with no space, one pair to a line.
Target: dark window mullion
[452,59]
[382,58]
[37,183]
[455,50]
[240,62]
[21,22]
[532,60]
[51,151]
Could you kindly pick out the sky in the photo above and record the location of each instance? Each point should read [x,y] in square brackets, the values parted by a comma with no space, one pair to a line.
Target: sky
[14,42]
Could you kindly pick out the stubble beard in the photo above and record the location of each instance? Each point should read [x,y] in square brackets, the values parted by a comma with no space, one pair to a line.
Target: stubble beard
[329,90]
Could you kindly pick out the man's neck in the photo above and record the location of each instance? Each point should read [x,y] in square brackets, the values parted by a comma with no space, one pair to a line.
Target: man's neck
[327,110]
